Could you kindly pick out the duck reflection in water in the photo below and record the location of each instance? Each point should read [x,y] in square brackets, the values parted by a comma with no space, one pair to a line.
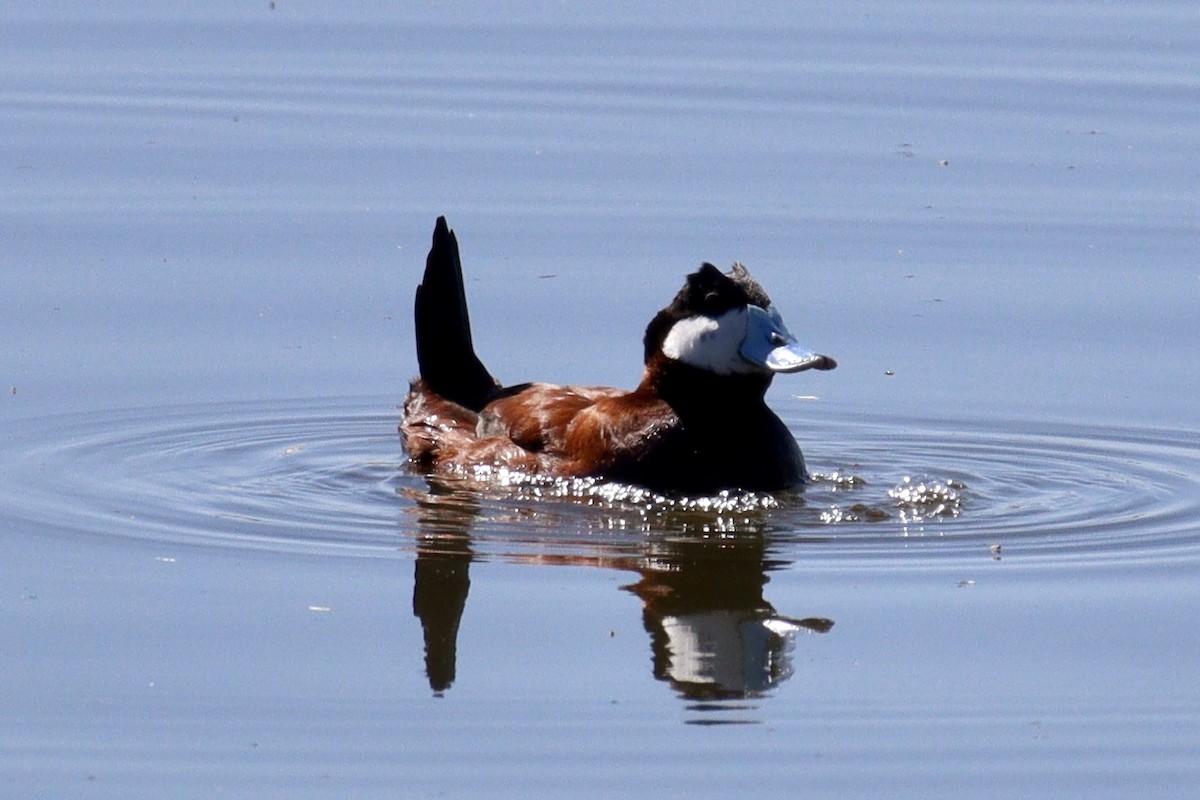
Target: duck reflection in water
[712,634]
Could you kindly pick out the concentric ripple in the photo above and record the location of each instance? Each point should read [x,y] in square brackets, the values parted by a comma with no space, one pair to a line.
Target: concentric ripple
[329,477]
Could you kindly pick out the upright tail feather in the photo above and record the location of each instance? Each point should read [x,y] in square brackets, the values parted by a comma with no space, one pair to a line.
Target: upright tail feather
[445,352]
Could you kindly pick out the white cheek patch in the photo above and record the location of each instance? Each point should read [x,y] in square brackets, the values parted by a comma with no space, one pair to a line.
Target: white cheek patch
[710,343]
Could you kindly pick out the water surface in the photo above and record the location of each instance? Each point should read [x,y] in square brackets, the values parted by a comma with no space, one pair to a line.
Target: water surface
[221,578]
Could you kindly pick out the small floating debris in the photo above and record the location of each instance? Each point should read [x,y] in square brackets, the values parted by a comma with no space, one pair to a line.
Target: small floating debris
[320,609]
[995,551]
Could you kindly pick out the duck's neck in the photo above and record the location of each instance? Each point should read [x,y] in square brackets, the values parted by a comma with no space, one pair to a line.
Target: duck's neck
[695,392]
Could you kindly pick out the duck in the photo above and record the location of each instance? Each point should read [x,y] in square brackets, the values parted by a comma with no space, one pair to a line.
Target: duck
[697,422]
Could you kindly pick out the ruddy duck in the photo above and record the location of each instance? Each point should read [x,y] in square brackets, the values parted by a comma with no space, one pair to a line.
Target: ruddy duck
[697,422]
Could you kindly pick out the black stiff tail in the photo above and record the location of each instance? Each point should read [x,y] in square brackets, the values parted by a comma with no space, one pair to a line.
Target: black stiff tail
[445,353]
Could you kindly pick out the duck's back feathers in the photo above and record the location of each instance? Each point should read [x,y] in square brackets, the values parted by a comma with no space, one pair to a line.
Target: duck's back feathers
[538,416]
[441,435]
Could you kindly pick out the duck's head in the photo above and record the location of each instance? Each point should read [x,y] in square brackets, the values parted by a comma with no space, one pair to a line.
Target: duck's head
[724,323]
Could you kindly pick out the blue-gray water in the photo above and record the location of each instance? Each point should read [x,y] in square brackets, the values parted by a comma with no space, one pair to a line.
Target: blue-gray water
[219,579]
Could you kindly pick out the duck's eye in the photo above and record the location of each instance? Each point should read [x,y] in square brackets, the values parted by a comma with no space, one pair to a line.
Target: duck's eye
[777,339]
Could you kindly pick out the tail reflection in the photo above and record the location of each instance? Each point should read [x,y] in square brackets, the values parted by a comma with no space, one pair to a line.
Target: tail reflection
[441,578]
[440,591]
